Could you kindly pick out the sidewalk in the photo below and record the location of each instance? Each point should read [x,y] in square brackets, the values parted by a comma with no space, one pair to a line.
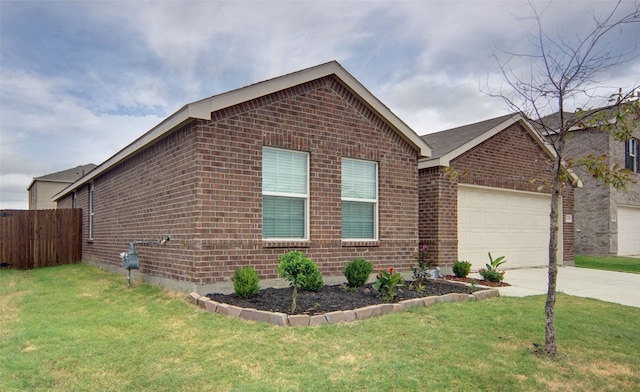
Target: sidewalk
[618,287]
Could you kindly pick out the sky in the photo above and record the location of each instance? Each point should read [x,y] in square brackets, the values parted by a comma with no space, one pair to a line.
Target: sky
[80,80]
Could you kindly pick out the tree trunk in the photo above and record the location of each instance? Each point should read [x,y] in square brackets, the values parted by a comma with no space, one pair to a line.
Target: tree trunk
[550,346]
[294,302]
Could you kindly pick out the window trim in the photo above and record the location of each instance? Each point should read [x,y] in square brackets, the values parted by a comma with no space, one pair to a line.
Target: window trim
[375,202]
[306,197]
[92,206]
[632,155]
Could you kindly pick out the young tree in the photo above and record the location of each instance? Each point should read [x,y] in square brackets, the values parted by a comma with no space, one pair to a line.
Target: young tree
[561,71]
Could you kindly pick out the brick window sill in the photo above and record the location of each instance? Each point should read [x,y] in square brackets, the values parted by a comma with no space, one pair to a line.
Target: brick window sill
[285,244]
[360,244]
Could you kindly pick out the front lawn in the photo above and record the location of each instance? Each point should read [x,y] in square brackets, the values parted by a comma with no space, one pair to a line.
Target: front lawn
[616,263]
[78,328]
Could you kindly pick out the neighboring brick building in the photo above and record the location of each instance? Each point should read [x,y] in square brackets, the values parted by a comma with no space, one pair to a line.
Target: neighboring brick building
[309,161]
[477,195]
[43,188]
[607,221]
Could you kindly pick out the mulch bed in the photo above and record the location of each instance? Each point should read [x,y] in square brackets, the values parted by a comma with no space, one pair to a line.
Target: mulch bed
[480,282]
[333,298]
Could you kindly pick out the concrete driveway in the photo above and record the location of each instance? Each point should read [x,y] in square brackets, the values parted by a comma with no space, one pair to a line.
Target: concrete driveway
[618,287]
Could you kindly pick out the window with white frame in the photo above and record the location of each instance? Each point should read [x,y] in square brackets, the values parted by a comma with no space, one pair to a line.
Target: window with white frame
[285,194]
[359,199]
[91,212]
[632,155]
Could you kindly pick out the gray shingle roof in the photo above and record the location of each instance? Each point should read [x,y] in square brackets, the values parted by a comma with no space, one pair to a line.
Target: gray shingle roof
[444,142]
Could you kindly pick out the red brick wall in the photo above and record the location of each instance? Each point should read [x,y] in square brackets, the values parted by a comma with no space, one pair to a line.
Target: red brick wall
[509,160]
[202,186]
[438,226]
[325,120]
[151,195]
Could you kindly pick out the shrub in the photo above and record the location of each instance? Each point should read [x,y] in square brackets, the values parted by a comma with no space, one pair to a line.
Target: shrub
[246,282]
[313,281]
[388,282]
[357,272]
[461,268]
[301,272]
[492,276]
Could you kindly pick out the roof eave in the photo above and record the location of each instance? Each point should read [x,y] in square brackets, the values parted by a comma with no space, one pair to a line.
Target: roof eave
[432,162]
[183,116]
[202,110]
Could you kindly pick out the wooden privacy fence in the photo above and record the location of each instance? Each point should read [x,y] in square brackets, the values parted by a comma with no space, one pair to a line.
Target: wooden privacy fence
[40,238]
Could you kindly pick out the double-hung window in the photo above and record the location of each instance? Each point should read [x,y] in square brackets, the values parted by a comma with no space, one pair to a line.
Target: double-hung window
[92,223]
[632,155]
[285,194]
[359,200]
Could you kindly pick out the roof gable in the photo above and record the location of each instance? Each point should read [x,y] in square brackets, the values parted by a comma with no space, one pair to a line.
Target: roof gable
[451,140]
[202,110]
[452,143]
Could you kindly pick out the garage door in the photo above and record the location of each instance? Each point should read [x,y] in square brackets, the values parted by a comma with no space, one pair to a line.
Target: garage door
[505,223]
[628,231]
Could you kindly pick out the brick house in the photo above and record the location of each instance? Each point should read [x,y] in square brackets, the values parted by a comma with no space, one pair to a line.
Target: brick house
[309,161]
[41,189]
[607,221]
[477,196]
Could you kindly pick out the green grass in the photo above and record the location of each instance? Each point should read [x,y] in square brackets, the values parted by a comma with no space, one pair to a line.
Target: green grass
[616,263]
[78,328]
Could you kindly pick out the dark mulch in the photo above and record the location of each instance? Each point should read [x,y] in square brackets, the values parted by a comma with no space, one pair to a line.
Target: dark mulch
[480,282]
[333,298]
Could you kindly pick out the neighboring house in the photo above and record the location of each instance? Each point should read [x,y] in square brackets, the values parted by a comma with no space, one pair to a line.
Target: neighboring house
[308,161]
[607,221]
[42,189]
[486,189]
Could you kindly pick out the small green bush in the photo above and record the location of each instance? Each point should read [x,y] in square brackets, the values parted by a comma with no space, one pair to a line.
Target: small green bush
[246,282]
[357,272]
[313,281]
[301,272]
[461,268]
[492,276]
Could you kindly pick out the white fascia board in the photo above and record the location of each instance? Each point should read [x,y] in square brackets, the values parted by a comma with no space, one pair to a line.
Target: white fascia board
[427,163]
[202,110]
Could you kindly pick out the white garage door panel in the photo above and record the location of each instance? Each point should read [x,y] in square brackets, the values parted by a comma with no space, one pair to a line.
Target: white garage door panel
[505,223]
[628,231]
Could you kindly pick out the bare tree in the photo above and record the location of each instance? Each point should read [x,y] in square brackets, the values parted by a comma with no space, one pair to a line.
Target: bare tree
[565,70]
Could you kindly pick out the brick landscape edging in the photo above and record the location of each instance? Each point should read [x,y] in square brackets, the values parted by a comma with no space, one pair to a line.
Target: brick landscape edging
[342,316]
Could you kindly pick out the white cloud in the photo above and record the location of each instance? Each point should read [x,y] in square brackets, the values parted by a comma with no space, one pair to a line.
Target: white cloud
[14,191]
[83,79]
[51,131]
